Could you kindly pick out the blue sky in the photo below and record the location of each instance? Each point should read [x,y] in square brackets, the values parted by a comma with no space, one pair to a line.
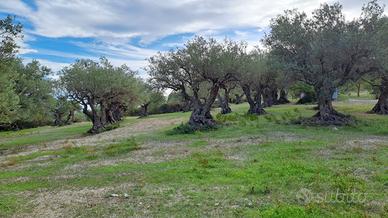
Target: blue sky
[57,32]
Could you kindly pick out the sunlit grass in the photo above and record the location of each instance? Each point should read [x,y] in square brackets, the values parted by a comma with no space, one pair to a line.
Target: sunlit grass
[258,178]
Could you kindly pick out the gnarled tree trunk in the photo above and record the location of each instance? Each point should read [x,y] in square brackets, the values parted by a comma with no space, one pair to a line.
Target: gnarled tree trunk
[224,102]
[144,109]
[270,96]
[382,104]
[58,118]
[255,105]
[94,116]
[283,97]
[326,114]
[200,117]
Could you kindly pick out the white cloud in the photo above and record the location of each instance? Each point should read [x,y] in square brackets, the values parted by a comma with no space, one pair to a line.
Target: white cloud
[152,19]
[112,23]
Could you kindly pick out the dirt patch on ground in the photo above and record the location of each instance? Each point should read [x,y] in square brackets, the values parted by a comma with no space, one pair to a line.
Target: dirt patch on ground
[65,203]
[143,126]
[158,151]
[354,146]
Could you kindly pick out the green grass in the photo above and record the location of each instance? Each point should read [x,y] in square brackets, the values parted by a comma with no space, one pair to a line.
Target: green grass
[40,135]
[261,176]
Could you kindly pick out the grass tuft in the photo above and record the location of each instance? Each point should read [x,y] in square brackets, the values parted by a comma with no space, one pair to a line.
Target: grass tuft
[121,147]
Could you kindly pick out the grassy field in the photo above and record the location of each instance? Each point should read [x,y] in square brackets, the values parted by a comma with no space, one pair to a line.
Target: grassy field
[250,166]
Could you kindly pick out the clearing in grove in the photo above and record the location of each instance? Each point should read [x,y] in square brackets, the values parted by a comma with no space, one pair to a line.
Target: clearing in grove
[250,166]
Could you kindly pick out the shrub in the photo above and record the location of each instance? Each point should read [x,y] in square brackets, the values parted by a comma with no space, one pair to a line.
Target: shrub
[185,128]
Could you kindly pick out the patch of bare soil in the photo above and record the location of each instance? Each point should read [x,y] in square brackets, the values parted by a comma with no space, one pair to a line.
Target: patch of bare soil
[354,146]
[113,200]
[143,126]
[65,203]
[156,151]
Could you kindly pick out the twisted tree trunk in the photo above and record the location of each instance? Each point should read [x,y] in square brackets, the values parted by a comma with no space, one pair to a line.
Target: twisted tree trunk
[326,114]
[255,105]
[270,96]
[200,117]
[224,102]
[283,97]
[94,116]
[58,118]
[70,117]
[144,109]
[382,104]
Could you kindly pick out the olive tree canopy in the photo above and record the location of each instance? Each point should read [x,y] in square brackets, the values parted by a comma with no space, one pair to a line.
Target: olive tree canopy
[325,51]
[201,66]
[104,92]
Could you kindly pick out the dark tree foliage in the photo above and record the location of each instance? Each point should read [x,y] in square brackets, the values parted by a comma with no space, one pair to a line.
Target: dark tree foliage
[9,100]
[35,91]
[378,24]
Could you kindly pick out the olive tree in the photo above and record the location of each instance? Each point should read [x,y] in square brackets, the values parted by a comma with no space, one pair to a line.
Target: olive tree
[150,99]
[224,98]
[201,66]
[253,75]
[382,104]
[324,51]
[104,92]
[378,25]
[35,90]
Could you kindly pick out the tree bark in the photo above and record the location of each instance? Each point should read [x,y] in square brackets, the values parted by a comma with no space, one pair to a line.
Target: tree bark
[255,105]
[200,117]
[58,118]
[98,124]
[382,104]
[144,109]
[224,102]
[270,96]
[326,114]
[283,97]
[70,117]
[358,89]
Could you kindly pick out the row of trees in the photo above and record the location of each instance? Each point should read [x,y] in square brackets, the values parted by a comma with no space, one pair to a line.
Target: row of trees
[29,97]
[324,51]
[104,92]
[25,93]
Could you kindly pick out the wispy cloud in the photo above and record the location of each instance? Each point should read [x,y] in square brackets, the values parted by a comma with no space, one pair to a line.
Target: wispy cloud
[152,19]
[113,24]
